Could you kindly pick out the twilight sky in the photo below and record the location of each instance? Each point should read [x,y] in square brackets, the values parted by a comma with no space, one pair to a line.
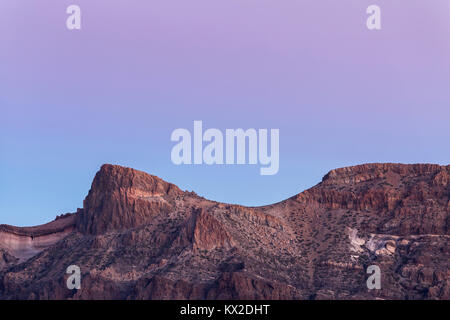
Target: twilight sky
[114,91]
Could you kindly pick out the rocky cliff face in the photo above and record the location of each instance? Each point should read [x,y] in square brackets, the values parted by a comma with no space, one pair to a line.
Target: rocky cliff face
[123,198]
[139,237]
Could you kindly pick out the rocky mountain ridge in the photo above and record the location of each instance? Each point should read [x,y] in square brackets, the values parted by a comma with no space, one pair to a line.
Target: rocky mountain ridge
[139,237]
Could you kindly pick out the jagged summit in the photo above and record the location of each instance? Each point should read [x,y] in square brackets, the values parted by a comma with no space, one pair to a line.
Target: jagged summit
[122,198]
[113,177]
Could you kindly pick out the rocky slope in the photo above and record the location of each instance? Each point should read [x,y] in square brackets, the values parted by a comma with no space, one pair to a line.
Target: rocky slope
[139,237]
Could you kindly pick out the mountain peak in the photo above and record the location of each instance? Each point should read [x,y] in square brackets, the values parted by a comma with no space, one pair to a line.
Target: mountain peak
[364,172]
[122,198]
[112,177]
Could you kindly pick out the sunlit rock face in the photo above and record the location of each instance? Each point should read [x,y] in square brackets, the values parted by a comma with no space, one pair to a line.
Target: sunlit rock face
[123,198]
[139,237]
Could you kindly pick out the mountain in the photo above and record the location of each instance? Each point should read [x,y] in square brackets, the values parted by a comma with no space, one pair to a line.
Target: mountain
[139,237]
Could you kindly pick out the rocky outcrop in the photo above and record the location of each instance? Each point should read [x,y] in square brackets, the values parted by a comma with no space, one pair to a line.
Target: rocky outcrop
[122,198]
[209,233]
[6,259]
[139,237]
[404,199]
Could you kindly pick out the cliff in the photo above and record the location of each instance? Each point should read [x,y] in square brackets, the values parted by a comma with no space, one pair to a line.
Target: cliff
[139,237]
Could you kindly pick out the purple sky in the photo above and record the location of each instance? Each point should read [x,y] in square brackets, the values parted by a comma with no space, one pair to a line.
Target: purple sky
[114,91]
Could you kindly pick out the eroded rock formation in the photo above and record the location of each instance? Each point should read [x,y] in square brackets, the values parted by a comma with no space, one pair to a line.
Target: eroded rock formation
[139,237]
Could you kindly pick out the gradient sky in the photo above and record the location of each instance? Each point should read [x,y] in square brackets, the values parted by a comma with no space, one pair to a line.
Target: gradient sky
[114,91]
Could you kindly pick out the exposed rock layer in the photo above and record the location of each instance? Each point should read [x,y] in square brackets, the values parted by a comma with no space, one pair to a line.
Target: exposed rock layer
[23,243]
[139,237]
